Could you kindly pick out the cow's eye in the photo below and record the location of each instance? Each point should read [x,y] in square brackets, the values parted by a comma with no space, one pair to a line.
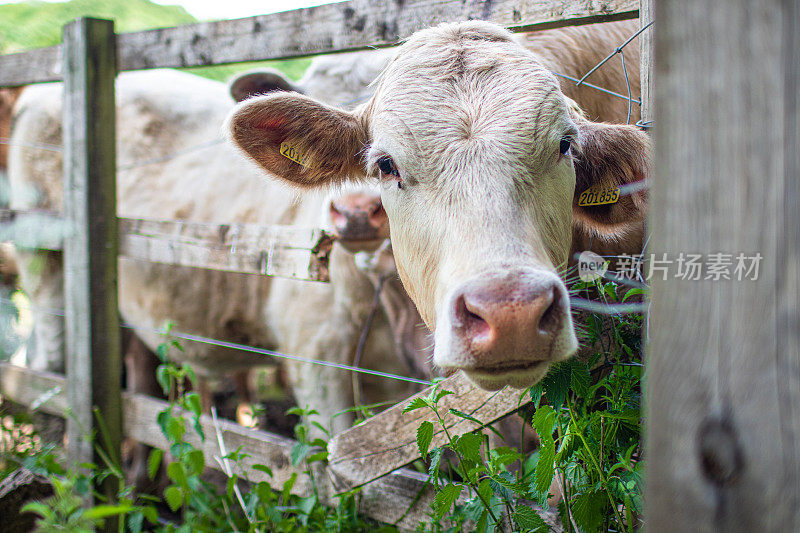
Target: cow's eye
[387,166]
[565,145]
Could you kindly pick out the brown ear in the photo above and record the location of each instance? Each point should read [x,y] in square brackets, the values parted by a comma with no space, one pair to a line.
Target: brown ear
[299,139]
[258,82]
[611,156]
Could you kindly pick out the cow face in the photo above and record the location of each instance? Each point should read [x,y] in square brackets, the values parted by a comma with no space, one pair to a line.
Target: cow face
[478,153]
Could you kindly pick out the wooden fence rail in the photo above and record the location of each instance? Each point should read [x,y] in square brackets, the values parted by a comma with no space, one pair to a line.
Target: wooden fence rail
[402,497]
[284,251]
[354,25]
[368,455]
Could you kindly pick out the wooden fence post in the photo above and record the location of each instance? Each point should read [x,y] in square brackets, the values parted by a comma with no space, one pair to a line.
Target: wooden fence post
[723,392]
[646,64]
[90,251]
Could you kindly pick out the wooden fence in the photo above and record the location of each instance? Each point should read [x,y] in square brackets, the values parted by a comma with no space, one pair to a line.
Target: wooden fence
[372,454]
[361,456]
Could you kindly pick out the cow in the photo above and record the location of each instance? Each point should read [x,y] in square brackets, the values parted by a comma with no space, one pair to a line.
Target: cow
[161,113]
[480,157]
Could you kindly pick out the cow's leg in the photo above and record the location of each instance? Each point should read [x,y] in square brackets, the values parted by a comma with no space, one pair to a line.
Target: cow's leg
[140,368]
[43,280]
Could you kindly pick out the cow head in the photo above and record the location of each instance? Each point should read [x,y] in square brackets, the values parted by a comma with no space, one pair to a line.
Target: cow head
[478,154]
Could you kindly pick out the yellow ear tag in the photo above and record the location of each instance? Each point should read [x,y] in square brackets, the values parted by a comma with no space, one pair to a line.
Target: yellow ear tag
[289,151]
[598,195]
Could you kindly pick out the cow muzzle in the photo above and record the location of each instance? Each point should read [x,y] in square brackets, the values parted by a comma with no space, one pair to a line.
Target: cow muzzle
[506,328]
[360,221]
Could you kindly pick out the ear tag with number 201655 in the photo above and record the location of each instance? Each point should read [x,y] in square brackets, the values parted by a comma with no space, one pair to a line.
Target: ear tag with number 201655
[290,151]
[598,195]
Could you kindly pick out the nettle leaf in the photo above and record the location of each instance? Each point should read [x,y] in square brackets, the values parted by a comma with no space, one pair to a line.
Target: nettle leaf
[288,485]
[177,473]
[38,508]
[174,497]
[103,511]
[526,518]
[299,452]
[485,489]
[161,351]
[536,393]
[580,377]
[151,513]
[306,505]
[507,480]
[161,419]
[501,491]
[469,446]
[163,377]
[192,402]
[154,462]
[316,457]
[175,428]
[424,437]
[545,467]
[543,421]
[504,455]
[435,457]
[465,416]
[568,445]
[445,499]
[441,394]
[587,510]
[414,404]
[474,509]
[556,384]
[627,485]
[197,461]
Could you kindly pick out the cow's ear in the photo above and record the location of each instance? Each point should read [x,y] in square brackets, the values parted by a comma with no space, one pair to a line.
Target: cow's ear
[299,139]
[609,158]
[261,81]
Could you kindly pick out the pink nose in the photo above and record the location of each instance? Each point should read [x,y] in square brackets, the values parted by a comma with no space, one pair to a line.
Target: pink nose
[359,217]
[505,321]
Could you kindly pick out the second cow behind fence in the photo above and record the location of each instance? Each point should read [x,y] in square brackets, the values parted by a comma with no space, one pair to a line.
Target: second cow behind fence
[160,115]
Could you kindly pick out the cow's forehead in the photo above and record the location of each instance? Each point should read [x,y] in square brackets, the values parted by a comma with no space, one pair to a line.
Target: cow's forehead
[456,90]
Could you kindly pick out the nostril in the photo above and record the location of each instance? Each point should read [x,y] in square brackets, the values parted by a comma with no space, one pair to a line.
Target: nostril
[377,215]
[550,322]
[474,325]
[337,217]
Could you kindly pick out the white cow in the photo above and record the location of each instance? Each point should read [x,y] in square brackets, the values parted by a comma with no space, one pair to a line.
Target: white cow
[481,159]
[161,113]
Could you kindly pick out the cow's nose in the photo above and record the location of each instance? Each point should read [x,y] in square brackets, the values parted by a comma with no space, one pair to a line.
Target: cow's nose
[497,321]
[359,217]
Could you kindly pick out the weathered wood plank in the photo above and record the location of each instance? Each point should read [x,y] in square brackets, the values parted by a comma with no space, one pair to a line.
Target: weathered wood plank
[354,25]
[91,324]
[723,405]
[646,64]
[284,251]
[27,387]
[389,440]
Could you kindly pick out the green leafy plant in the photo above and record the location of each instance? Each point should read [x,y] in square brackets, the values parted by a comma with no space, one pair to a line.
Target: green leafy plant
[586,413]
[588,464]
